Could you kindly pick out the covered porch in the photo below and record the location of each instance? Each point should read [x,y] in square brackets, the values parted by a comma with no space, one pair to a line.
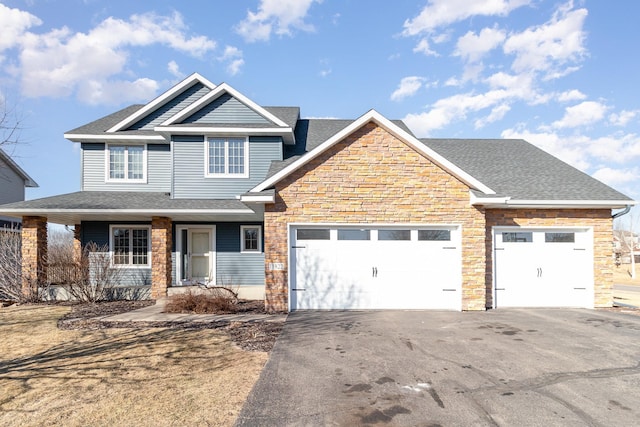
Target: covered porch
[157,217]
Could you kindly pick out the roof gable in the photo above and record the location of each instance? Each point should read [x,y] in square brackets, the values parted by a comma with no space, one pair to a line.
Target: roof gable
[389,126]
[225,109]
[193,110]
[11,164]
[161,100]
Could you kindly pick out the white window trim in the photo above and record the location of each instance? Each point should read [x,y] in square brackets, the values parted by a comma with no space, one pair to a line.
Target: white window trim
[226,156]
[130,226]
[242,242]
[107,164]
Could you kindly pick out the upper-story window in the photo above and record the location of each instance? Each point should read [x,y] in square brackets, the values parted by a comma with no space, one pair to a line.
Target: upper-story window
[126,163]
[227,157]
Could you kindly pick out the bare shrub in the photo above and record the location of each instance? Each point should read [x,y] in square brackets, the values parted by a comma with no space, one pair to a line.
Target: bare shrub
[93,277]
[216,300]
[10,265]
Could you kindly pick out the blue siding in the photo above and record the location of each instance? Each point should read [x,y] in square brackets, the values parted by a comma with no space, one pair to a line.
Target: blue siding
[226,109]
[171,108]
[158,170]
[189,163]
[240,269]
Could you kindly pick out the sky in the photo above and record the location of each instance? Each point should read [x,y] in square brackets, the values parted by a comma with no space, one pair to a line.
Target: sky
[561,74]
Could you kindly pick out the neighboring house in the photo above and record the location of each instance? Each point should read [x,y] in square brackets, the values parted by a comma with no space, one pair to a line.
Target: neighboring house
[13,180]
[203,185]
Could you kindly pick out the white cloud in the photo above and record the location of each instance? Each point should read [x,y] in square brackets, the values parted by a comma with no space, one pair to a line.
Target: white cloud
[174,69]
[617,177]
[456,107]
[550,47]
[585,113]
[14,24]
[279,16]
[423,47]
[623,118]
[61,63]
[472,47]
[96,92]
[497,113]
[439,13]
[571,95]
[408,87]
[234,57]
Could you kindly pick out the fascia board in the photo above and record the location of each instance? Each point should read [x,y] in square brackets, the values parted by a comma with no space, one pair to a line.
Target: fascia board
[379,119]
[78,137]
[23,212]
[151,106]
[554,204]
[286,133]
[213,95]
[258,198]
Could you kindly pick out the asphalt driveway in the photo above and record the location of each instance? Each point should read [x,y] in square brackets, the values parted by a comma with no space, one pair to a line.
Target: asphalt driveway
[541,367]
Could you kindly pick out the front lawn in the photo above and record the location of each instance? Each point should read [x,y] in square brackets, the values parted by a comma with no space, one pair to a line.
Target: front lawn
[107,377]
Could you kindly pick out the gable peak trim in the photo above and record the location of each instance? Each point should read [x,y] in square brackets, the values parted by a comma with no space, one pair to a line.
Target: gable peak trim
[220,90]
[389,126]
[161,99]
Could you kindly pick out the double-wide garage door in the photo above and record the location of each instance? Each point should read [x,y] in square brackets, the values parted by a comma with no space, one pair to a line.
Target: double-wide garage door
[364,267]
[543,268]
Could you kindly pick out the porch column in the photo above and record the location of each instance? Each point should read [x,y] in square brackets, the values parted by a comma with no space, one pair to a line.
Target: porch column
[77,243]
[160,256]
[34,254]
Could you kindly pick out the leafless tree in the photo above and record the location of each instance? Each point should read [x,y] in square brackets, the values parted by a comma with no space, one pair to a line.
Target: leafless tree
[11,124]
[626,228]
[10,260]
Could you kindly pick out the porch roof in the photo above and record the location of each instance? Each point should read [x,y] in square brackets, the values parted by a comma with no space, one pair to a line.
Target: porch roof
[72,208]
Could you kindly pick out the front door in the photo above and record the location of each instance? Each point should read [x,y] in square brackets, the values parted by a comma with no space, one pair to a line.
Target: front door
[200,256]
[195,257]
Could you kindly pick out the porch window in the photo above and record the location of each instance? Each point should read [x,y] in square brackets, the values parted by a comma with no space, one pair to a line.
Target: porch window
[227,157]
[126,163]
[130,245]
[251,238]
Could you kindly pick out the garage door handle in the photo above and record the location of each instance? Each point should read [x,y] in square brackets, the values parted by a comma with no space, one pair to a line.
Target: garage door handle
[579,249]
[374,272]
[298,247]
[448,247]
[449,290]
[580,289]
[298,289]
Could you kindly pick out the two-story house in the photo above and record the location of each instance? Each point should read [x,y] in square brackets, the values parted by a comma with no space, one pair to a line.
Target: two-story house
[13,181]
[203,185]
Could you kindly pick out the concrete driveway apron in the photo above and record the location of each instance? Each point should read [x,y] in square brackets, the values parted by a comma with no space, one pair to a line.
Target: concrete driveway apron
[425,368]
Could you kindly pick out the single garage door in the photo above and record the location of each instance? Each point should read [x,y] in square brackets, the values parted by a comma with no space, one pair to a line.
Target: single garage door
[543,268]
[375,268]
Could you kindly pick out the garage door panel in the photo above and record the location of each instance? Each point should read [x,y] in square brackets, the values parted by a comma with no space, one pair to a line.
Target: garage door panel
[543,268]
[376,269]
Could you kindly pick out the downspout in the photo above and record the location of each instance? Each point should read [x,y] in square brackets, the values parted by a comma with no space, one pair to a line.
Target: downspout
[622,212]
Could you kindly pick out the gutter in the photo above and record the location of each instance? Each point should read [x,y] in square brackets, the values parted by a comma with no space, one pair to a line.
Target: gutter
[622,212]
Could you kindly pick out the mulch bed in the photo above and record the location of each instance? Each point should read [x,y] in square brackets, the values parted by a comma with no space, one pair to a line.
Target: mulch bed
[251,336]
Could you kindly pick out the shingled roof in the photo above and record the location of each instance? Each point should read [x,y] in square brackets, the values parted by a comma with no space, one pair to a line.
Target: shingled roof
[517,169]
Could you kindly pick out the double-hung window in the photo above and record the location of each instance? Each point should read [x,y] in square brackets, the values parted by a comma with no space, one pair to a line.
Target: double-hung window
[227,157]
[126,163]
[130,245]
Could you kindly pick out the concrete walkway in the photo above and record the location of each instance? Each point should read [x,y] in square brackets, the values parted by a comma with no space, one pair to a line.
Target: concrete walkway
[154,313]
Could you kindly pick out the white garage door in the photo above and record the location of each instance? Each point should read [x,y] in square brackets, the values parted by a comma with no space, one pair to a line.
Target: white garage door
[543,268]
[375,268]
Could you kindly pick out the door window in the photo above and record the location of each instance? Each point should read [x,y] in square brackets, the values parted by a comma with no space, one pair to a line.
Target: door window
[517,237]
[350,234]
[394,234]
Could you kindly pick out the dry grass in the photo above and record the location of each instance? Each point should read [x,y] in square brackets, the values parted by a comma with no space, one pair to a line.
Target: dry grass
[116,377]
[622,275]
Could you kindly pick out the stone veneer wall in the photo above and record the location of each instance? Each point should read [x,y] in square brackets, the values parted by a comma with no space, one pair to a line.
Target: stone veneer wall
[160,256]
[34,254]
[373,177]
[598,219]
